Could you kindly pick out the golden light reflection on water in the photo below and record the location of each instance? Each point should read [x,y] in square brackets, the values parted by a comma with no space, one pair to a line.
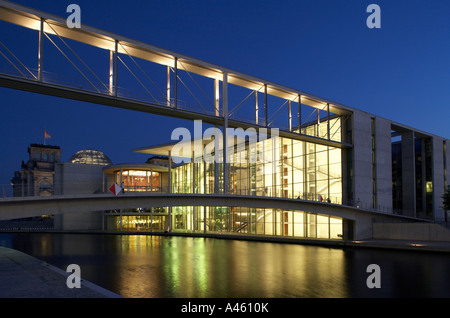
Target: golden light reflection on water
[197,267]
[141,266]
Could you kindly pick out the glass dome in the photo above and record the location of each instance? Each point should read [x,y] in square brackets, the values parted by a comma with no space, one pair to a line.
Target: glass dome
[90,157]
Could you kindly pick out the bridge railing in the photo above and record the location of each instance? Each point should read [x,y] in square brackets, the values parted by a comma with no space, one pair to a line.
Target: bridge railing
[87,188]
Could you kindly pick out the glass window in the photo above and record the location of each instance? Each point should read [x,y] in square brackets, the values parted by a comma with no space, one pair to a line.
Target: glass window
[140,180]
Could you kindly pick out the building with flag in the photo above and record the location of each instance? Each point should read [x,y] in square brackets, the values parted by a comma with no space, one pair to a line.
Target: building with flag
[36,176]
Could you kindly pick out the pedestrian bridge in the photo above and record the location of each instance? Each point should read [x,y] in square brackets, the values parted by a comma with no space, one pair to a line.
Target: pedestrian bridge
[14,208]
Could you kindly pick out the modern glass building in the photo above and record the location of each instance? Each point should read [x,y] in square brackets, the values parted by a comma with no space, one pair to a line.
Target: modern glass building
[369,176]
[324,170]
[293,169]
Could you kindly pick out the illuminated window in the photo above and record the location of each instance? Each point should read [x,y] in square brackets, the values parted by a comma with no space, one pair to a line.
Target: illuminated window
[429,186]
[140,180]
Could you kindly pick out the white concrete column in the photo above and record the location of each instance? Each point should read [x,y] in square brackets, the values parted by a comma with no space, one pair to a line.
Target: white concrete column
[168,86]
[169,178]
[408,174]
[265,106]
[299,114]
[151,180]
[216,97]
[328,122]
[175,83]
[256,108]
[115,68]
[289,116]
[383,160]
[111,73]
[438,178]
[362,159]
[41,50]
[225,134]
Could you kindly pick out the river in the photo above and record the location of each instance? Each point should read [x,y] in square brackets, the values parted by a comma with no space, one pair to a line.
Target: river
[151,266]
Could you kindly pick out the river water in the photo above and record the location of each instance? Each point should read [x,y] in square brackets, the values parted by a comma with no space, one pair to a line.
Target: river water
[141,266]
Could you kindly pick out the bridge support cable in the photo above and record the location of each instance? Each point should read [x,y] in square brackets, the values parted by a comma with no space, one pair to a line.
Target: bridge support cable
[192,94]
[306,120]
[134,75]
[14,65]
[291,128]
[145,74]
[61,51]
[87,74]
[189,74]
[18,60]
[79,58]
[318,110]
[242,102]
[277,111]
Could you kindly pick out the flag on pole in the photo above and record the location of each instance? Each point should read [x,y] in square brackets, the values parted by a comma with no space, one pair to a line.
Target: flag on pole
[46,135]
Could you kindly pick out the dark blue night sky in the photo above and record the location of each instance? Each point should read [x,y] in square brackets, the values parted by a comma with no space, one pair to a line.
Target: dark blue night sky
[322,47]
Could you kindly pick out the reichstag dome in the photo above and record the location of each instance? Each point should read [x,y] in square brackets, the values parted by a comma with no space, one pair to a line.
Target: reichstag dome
[90,157]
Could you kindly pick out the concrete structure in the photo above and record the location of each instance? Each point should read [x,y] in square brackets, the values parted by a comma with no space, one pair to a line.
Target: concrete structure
[45,175]
[75,178]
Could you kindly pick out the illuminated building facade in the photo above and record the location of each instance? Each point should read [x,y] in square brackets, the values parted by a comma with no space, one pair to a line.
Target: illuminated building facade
[371,175]
[347,168]
[299,170]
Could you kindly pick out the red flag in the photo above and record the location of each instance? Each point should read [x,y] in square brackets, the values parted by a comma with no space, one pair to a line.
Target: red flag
[46,134]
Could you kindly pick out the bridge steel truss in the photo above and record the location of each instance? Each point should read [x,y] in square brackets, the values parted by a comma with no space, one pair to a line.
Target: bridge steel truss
[52,28]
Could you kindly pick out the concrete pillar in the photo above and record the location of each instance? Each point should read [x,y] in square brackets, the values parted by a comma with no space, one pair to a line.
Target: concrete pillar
[408,174]
[111,72]
[151,181]
[216,98]
[168,86]
[299,114]
[289,116]
[447,162]
[438,178]
[175,83]
[169,190]
[266,123]
[256,108]
[328,122]
[216,164]
[41,50]
[194,171]
[225,135]
[114,65]
[383,161]
[362,159]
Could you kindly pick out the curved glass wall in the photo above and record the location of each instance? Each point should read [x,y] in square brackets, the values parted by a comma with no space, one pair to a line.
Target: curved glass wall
[139,180]
[227,220]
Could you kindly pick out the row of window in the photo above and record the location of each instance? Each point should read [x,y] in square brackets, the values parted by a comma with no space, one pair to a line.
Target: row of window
[252,221]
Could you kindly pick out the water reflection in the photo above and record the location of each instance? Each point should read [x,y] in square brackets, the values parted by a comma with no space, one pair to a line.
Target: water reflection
[158,266]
